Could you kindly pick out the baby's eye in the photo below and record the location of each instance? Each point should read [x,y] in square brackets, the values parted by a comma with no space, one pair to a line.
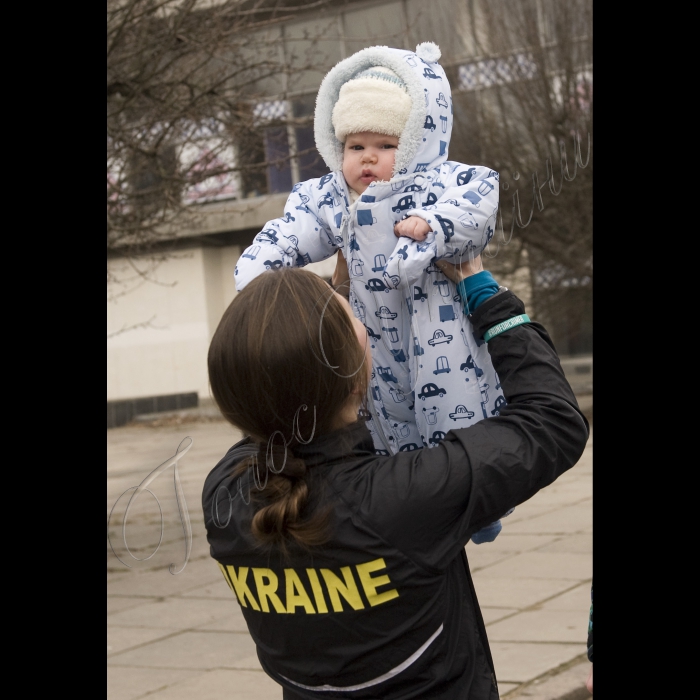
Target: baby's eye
[356,147]
[388,145]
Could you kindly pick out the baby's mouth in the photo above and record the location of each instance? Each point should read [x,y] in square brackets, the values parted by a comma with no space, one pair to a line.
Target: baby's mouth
[367,175]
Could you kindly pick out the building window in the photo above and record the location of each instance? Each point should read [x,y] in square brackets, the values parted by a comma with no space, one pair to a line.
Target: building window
[282,141]
[279,175]
[496,71]
[310,162]
[207,163]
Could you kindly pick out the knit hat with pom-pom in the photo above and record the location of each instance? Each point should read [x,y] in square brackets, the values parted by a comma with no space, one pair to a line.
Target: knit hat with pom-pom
[374,100]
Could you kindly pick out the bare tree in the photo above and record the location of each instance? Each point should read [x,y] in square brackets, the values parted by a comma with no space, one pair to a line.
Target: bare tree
[187,80]
[533,123]
[183,80]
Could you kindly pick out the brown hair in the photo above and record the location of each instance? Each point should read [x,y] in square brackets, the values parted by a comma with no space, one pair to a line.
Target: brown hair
[285,343]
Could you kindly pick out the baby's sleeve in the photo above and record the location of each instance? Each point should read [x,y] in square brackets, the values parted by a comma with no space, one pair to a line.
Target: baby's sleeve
[462,216]
[300,237]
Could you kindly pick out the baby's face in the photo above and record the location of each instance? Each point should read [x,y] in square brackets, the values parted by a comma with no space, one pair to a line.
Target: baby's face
[368,157]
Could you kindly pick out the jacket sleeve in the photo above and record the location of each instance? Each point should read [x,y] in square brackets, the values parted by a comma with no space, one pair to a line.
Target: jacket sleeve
[462,219]
[429,502]
[298,238]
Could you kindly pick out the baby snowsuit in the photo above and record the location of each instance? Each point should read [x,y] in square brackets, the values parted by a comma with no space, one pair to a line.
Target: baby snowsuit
[429,372]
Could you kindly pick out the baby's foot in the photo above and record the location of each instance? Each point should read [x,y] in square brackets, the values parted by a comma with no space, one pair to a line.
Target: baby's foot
[488,533]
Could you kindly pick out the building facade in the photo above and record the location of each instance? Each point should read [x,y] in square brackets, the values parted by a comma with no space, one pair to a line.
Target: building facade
[165,307]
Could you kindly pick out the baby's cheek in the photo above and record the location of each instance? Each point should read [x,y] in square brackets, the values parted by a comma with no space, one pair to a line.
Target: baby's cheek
[390,165]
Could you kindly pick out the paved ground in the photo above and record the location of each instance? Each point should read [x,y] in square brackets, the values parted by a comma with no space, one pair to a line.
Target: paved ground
[183,637]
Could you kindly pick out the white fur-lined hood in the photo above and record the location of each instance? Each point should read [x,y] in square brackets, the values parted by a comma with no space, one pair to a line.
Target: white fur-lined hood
[425,139]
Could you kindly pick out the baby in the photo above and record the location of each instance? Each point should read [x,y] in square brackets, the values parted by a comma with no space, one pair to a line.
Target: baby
[383,123]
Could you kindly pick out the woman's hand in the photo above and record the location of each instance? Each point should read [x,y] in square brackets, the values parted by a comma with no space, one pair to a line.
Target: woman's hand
[457,273]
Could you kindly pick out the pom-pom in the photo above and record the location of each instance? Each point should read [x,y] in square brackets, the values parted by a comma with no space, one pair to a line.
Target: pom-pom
[428,51]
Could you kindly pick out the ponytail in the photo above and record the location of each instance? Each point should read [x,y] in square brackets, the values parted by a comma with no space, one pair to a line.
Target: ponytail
[284,513]
[286,343]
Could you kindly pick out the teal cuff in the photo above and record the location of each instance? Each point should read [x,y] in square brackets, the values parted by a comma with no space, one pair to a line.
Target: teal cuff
[476,289]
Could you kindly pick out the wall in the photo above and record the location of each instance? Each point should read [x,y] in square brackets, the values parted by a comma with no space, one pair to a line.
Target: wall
[181,305]
[166,321]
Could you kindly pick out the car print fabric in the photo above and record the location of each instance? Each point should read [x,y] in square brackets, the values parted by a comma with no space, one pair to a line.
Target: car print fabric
[430,373]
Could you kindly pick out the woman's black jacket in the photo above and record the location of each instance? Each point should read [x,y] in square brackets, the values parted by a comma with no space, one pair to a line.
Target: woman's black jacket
[387,608]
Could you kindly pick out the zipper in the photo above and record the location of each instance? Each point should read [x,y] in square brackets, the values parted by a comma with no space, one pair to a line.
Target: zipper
[344,227]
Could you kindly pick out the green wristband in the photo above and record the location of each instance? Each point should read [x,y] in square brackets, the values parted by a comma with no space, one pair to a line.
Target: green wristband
[506,326]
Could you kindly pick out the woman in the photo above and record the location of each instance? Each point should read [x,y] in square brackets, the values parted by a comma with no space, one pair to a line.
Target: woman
[350,567]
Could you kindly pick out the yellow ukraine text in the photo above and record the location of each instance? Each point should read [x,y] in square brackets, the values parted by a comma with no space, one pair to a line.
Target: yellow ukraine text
[371,584]
[241,587]
[268,590]
[342,591]
[346,588]
[296,594]
[318,591]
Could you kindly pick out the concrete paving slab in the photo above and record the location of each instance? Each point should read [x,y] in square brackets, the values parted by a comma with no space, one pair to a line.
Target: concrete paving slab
[194,650]
[119,603]
[519,593]
[494,614]
[123,638]
[175,612]
[143,540]
[569,519]
[578,598]
[527,511]
[140,446]
[583,467]
[161,582]
[504,688]
[574,544]
[578,488]
[579,470]
[218,684]
[569,684]
[585,464]
[518,662]
[511,542]
[544,565]
[576,478]
[133,683]
[218,589]
[132,453]
[480,556]
[541,626]
[229,623]
[234,622]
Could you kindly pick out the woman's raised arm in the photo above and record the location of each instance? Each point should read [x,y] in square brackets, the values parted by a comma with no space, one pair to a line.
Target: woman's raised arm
[430,502]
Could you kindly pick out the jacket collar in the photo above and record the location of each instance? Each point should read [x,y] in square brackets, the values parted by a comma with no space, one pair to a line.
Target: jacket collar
[352,441]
